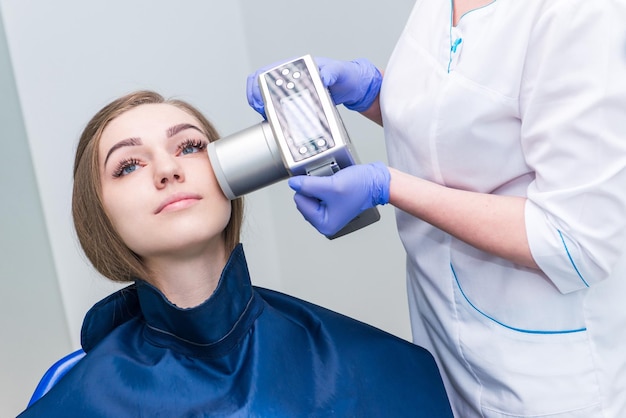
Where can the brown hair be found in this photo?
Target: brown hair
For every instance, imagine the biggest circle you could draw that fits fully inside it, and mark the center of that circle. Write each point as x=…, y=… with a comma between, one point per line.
x=99, y=240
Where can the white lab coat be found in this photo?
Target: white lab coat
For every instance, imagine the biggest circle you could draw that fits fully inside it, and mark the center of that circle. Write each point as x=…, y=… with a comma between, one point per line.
x=530, y=102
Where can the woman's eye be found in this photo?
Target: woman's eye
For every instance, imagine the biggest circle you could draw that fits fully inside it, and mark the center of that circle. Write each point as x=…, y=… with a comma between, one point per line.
x=126, y=167
x=191, y=146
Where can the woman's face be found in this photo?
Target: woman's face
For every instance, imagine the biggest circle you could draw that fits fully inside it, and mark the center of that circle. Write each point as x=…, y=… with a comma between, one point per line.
x=158, y=187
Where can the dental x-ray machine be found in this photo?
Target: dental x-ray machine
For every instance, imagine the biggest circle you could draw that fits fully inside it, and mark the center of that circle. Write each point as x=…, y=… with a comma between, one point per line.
x=303, y=135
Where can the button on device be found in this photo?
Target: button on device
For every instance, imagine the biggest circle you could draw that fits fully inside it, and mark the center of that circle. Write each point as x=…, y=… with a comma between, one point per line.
x=303, y=150
x=285, y=71
x=290, y=85
x=321, y=143
x=296, y=74
x=279, y=82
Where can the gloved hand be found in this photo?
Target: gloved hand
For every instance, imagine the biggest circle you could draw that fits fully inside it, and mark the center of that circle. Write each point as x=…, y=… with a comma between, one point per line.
x=329, y=203
x=355, y=84
x=253, y=91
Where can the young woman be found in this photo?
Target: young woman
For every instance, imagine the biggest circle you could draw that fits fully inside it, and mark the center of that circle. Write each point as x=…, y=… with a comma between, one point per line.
x=192, y=336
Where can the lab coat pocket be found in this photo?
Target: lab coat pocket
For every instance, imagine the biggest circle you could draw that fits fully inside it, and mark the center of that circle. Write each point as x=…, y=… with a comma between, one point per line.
x=591, y=412
x=530, y=374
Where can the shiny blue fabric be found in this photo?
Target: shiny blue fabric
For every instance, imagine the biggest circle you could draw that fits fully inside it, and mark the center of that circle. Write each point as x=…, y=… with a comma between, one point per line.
x=244, y=352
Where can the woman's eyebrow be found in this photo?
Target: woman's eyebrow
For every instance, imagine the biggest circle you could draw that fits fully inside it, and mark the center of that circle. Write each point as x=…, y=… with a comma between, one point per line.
x=123, y=143
x=181, y=127
x=137, y=141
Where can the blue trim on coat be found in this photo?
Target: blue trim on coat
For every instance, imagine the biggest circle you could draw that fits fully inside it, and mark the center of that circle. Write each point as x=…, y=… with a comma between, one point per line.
x=526, y=331
x=571, y=260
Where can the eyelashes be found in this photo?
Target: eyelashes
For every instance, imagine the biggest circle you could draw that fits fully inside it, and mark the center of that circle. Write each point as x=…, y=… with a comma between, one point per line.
x=125, y=167
x=188, y=146
x=195, y=145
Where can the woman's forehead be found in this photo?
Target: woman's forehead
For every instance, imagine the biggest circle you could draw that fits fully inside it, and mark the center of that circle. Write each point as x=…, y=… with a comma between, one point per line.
x=146, y=120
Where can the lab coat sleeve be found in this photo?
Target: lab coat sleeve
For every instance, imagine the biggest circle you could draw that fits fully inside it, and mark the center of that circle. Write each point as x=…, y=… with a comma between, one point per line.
x=573, y=110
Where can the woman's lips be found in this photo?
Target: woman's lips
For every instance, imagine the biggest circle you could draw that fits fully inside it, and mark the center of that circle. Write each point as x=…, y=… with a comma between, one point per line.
x=177, y=201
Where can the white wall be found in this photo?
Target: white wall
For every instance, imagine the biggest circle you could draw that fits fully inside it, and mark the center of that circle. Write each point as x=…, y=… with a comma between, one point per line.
x=361, y=275
x=70, y=57
x=33, y=326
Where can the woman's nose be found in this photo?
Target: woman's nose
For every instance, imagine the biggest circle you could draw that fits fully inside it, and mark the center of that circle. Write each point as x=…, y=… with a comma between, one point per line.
x=167, y=170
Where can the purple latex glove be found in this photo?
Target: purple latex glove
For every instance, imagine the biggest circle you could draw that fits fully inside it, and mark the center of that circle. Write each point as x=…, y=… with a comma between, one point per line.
x=329, y=203
x=355, y=84
x=253, y=91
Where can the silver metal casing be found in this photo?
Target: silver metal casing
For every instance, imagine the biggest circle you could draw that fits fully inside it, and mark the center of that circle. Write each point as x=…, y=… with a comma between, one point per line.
x=303, y=118
x=247, y=161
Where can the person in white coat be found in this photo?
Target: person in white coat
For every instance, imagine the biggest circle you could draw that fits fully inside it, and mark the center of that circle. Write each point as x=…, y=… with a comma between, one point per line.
x=505, y=125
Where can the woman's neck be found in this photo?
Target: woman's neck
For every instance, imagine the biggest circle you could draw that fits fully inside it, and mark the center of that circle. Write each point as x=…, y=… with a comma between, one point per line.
x=463, y=6
x=187, y=281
